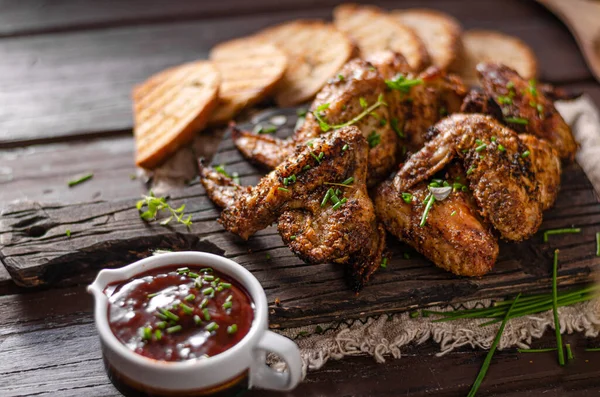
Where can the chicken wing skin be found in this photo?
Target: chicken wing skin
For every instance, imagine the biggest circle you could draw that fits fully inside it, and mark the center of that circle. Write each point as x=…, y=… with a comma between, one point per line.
x=526, y=107
x=415, y=108
x=317, y=229
x=454, y=237
x=546, y=166
x=501, y=177
x=357, y=87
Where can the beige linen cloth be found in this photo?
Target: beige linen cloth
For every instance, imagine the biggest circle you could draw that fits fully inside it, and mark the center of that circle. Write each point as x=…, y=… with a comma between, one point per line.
x=385, y=335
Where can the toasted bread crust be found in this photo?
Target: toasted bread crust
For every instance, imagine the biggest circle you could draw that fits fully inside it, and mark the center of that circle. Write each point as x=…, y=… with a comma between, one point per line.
x=440, y=32
x=374, y=30
x=496, y=47
x=170, y=106
x=316, y=51
x=250, y=70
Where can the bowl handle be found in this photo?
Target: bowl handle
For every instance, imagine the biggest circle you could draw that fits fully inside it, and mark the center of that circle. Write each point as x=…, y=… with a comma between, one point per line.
x=267, y=378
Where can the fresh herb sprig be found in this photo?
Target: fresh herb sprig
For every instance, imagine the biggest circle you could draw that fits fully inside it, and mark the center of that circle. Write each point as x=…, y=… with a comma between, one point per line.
x=402, y=83
x=325, y=126
x=81, y=179
x=154, y=205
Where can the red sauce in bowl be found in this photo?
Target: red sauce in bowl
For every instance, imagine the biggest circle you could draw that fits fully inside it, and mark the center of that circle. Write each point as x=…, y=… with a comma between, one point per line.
x=179, y=313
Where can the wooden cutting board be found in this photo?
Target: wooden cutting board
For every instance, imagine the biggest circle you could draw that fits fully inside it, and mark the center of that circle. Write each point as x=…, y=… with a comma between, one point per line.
x=36, y=250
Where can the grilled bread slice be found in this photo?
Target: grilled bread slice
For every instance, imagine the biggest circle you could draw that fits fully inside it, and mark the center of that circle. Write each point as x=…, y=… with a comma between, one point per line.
x=316, y=51
x=250, y=70
x=170, y=106
x=438, y=31
x=496, y=47
x=373, y=30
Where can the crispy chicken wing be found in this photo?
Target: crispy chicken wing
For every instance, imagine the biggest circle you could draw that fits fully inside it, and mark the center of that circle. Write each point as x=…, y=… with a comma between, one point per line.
x=454, y=237
x=319, y=198
x=416, y=102
x=525, y=107
x=545, y=164
x=347, y=96
x=501, y=174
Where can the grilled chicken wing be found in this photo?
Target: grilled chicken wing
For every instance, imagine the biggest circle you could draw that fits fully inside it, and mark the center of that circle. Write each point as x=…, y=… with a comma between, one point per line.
x=525, y=107
x=454, y=237
x=501, y=174
x=418, y=101
x=545, y=164
x=340, y=229
x=347, y=96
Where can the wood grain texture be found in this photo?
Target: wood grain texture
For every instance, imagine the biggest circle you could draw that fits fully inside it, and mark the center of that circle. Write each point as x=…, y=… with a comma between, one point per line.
x=36, y=250
x=59, y=355
x=79, y=84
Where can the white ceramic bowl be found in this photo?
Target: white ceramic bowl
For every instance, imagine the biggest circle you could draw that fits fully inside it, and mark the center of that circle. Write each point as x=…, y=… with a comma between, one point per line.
x=216, y=373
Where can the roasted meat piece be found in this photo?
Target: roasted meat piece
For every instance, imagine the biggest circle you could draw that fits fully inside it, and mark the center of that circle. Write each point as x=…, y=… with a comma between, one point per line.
x=416, y=101
x=502, y=173
x=453, y=235
x=526, y=107
x=354, y=96
x=319, y=198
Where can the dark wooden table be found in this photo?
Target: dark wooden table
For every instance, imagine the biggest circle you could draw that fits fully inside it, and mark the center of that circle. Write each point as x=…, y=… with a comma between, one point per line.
x=66, y=71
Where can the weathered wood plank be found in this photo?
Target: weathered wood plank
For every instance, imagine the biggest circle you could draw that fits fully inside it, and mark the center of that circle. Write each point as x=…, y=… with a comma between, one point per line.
x=36, y=251
x=79, y=83
x=60, y=355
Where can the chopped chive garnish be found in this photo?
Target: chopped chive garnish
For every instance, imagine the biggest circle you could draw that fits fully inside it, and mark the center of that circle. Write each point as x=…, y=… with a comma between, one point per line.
x=147, y=333
x=516, y=120
x=301, y=112
x=292, y=238
x=406, y=255
x=382, y=122
x=206, y=270
x=525, y=154
x=283, y=189
x=168, y=314
x=598, y=244
x=570, y=355
x=206, y=314
x=204, y=303
x=221, y=170
x=470, y=170
x=407, y=197
x=161, y=316
x=209, y=277
x=345, y=147
x=384, y=263
x=153, y=295
x=68, y=232
x=480, y=147
x=189, y=298
x=315, y=156
x=227, y=305
x=396, y=128
x=193, y=275
x=81, y=179
x=593, y=349
x=229, y=298
x=414, y=314
x=212, y=327
x=348, y=181
x=158, y=334
x=267, y=130
x=186, y=309
x=501, y=148
x=306, y=167
x=197, y=319
x=363, y=102
x=373, y=139
x=208, y=291
x=225, y=285
x=504, y=100
x=161, y=324
x=174, y=329
x=427, y=209
x=337, y=205
x=326, y=198
x=340, y=77
x=510, y=85
x=488, y=358
x=561, y=353
x=183, y=270
x=320, y=156
x=560, y=231
x=232, y=329
x=219, y=288
x=550, y=349
x=453, y=213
